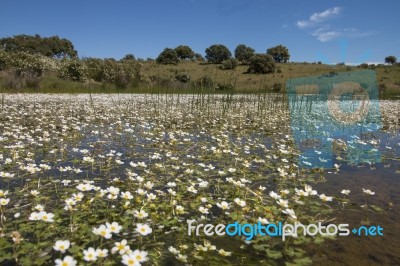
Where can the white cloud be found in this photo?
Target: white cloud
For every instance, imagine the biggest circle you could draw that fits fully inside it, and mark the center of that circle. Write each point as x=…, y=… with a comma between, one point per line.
x=324, y=32
x=327, y=14
x=319, y=17
x=302, y=24
x=325, y=35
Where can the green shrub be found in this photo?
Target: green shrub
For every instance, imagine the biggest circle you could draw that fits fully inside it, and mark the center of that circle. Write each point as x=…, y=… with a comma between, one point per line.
x=73, y=69
x=4, y=60
x=225, y=86
x=25, y=64
x=205, y=82
x=183, y=77
x=229, y=64
x=261, y=63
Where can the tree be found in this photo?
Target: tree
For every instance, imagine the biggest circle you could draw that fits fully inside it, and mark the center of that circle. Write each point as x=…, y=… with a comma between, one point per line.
x=168, y=56
x=217, y=53
x=184, y=52
x=391, y=60
x=128, y=57
x=261, y=63
x=244, y=53
x=47, y=46
x=280, y=53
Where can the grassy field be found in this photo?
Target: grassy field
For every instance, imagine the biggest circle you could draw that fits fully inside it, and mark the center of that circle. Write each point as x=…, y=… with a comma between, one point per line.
x=162, y=79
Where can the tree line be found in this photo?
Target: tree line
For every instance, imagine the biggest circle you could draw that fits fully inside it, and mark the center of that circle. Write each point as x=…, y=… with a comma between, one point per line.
x=220, y=54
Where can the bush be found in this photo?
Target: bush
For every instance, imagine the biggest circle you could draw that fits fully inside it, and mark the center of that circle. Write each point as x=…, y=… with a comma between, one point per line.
x=229, y=64
x=183, y=77
x=277, y=87
x=73, y=69
x=261, y=63
x=25, y=64
x=205, y=82
x=225, y=86
x=168, y=56
x=4, y=60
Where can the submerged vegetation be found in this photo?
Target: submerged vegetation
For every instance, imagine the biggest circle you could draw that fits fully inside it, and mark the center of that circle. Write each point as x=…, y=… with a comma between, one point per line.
x=111, y=179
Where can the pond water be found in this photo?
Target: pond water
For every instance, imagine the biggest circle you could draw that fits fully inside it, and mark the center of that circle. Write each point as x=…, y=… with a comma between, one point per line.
x=182, y=157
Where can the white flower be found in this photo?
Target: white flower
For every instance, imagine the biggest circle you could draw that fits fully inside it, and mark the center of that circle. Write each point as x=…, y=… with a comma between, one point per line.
x=345, y=192
x=4, y=201
x=224, y=253
x=61, y=245
x=151, y=196
x=283, y=203
x=143, y=229
x=88, y=159
x=102, y=253
x=240, y=202
x=309, y=189
x=263, y=220
x=291, y=213
x=171, y=184
x=114, y=227
x=35, y=193
x=325, y=198
x=126, y=195
x=224, y=205
x=121, y=247
x=3, y=193
x=192, y=189
x=90, y=254
x=84, y=187
x=274, y=195
x=130, y=260
x=46, y=216
x=140, y=214
x=67, y=261
x=39, y=207
x=369, y=192
x=139, y=255
x=284, y=191
x=173, y=250
x=179, y=209
x=34, y=216
x=203, y=210
x=103, y=231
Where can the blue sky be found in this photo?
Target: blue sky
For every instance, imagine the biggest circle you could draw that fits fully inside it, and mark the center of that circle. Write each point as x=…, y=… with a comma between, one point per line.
x=313, y=30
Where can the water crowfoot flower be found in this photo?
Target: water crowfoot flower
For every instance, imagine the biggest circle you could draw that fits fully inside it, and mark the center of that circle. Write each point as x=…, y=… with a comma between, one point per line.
x=67, y=261
x=90, y=254
x=114, y=227
x=102, y=253
x=325, y=198
x=369, y=192
x=4, y=201
x=345, y=192
x=143, y=229
x=121, y=247
x=61, y=245
x=103, y=231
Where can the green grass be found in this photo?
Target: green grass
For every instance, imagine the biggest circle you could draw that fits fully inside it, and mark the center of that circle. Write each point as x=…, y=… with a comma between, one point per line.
x=388, y=78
